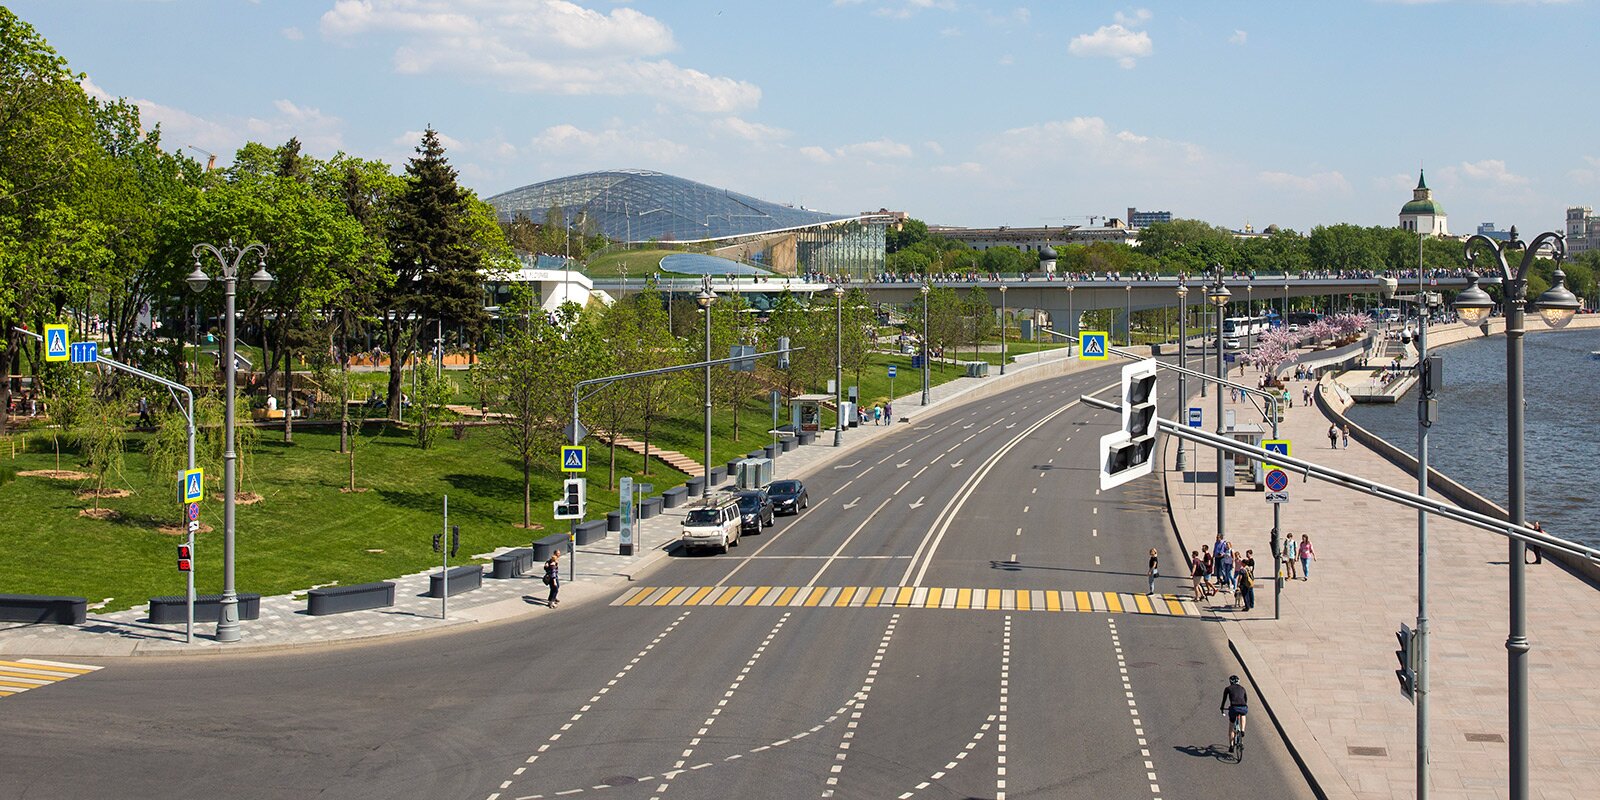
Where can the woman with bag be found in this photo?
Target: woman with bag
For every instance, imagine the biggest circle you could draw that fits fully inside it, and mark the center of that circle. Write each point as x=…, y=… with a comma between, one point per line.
x=552, y=578
x=1154, y=571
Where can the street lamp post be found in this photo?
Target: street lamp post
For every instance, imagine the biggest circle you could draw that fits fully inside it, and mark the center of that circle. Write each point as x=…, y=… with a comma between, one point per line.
x=1183, y=361
x=1218, y=294
x=1556, y=306
x=229, y=258
x=838, y=364
x=706, y=298
x=1127, y=320
x=1072, y=321
x=1002, y=329
x=924, y=291
x=1249, y=313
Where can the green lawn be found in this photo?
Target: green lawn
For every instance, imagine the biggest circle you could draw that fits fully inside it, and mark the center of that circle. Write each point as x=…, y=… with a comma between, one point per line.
x=304, y=532
x=638, y=262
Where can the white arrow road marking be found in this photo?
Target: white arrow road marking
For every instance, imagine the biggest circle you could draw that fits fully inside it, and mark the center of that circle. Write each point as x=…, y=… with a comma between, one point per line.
x=902, y=465
x=850, y=465
x=958, y=463
x=846, y=543
x=919, y=503
x=852, y=503
x=968, y=425
x=1012, y=425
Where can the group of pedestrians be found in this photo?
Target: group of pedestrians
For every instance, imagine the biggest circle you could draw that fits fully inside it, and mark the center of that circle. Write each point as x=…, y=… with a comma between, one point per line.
x=1335, y=433
x=1219, y=567
x=879, y=414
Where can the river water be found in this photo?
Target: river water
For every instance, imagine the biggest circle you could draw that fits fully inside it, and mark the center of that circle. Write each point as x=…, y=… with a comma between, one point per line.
x=1469, y=442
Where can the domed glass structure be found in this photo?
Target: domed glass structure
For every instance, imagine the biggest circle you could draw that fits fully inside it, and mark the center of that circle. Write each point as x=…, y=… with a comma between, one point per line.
x=635, y=205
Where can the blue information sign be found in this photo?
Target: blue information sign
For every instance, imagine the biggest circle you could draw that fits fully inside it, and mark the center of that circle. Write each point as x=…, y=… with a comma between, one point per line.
x=891, y=370
x=85, y=352
x=1194, y=417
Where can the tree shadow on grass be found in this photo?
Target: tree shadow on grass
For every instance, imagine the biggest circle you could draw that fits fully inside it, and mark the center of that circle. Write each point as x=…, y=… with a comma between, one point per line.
x=499, y=488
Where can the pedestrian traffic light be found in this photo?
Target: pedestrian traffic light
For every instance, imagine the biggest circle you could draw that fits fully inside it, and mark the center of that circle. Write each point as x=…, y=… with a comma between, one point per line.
x=1407, y=655
x=1130, y=452
x=438, y=543
x=185, y=558
x=455, y=539
x=571, y=504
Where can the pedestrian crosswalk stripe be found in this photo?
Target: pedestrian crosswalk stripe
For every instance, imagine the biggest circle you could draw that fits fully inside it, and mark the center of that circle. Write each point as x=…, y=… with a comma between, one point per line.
x=25, y=674
x=939, y=597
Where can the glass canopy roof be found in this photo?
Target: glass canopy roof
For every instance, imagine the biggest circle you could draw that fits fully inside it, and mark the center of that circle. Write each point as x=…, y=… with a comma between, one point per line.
x=632, y=205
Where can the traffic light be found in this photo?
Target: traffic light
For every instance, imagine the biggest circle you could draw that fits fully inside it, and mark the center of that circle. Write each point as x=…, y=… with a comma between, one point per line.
x=1407, y=655
x=783, y=357
x=185, y=558
x=438, y=543
x=455, y=539
x=570, y=506
x=1130, y=452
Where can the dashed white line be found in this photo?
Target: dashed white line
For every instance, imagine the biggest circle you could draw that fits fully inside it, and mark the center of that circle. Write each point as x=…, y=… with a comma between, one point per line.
x=846, y=484
x=859, y=706
x=1133, y=710
x=1000, y=718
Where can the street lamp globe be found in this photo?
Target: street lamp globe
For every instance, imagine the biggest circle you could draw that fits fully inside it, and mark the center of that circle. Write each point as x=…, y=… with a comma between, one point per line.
x=197, y=280
x=1183, y=291
x=706, y=297
x=262, y=280
x=1557, y=304
x=1473, y=304
x=1218, y=293
x=838, y=291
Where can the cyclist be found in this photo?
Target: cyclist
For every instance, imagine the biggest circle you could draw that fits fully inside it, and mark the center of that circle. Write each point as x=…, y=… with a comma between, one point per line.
x=1236, y=705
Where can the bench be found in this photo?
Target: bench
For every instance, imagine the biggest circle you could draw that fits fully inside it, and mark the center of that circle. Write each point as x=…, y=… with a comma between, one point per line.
x=674, y=497
x=807, y=437
x=207, y=608
x=696, y=486
x=40, y=608
x=718, y=475
x=514, y=563
x=462, y=579
x=592, y=531
x=543, y=548
x=789, y=443
x=613, y=522
x=649, y=507
x=358, y=597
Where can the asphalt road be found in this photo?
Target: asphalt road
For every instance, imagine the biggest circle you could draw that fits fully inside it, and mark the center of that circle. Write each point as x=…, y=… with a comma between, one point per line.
x=693, y=701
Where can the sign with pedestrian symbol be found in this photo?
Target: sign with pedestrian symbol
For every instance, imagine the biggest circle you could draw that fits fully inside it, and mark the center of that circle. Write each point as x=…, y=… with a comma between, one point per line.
x=56, y=343
x=1094, y=345
x=1279, y=446
x=574, y=458
x=193, y=485
x=1277, y=482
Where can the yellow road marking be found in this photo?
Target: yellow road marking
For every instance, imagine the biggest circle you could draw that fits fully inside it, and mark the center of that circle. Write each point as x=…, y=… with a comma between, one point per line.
x=874, y=596
x=904, y=597
x=727, y=594
x=844, y=597
x=788, y=594
x=755, y=597
x=815, y=596
x=1174, y=606
x=21, y=684
x=15, y=673
x=993, y=600
x=1113, y=602
x=1083, y=601
x=1143, y=603
x=6, y=694
x=671, y=593
x=1052, y=600
x=694, y=599
x=1023, y=600
x=963, y=598
x=935, y=597
x=51, y=667
x=632, y=596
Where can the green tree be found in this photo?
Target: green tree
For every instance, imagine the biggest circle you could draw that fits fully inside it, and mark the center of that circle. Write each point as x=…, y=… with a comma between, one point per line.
x=434, y=392
x=979, y=318
x=1343, y=247
x=100, y=428
x=911, y=232
x=652, y=397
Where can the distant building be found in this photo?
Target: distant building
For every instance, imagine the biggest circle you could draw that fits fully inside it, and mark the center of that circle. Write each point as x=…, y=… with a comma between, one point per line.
x=895, y=219
x=1583, y=230
x=1144, y=219
x=1032, y=240
x=1487, y=229
x=1422, y=213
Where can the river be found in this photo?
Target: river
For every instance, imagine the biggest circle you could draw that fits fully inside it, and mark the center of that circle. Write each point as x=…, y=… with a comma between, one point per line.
x=1469, y=442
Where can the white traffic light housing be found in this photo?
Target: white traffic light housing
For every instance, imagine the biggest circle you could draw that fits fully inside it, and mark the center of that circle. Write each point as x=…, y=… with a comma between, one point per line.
x=1130, y=452
x=571, y=504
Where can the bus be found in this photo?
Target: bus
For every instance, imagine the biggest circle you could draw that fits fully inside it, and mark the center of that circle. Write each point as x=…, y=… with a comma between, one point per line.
x=1236, y=329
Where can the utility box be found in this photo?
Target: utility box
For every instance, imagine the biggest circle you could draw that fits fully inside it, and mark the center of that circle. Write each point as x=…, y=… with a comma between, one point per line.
x=977, y=369
x=1246, y=470
x=848, y=413
x=755, y=473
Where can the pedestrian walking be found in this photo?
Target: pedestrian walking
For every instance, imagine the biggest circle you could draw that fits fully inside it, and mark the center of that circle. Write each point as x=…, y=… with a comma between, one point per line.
x=1197, y=575
x=1345, y=431
x=1288, y=554
x=552, y=578
x=1307, y=555
x=144, y=412
x=1209, y=563
x=1247, y=580
x=1154, y=570
x=1226, y=568
x=1536, y=550
x=877, y=415
x=888, y=413
x=1333, y=436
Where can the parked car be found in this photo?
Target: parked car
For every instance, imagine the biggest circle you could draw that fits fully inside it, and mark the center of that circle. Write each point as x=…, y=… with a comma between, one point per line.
x=788, y=497
x=755, y=510
x=712, y=523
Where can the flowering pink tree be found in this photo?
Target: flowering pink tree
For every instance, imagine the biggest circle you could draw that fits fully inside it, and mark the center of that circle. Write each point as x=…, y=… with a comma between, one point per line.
x=1348, y=325
x=1320, y=331
x=1268, y=357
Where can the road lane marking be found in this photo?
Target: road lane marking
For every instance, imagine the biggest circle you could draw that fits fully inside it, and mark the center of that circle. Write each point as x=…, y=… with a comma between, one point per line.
x=908, y=596
x=902, y=487
x=930, y=542
x=960, y=756
x=846, y=542
x=859, y=708
x=846, y=485
x=1001, y=716
x=1133, y=710
x=864, y=472
x=26, y=674
x=770, y=539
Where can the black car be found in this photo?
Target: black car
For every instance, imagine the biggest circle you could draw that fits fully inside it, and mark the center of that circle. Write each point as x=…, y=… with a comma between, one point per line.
x=755, y=510
x=788, y=497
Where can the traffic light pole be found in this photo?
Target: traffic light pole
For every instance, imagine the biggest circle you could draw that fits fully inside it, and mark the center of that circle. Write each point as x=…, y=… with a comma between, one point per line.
x=444, y=549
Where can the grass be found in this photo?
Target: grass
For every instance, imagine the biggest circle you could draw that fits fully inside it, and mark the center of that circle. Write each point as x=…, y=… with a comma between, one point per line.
x=638, y=262
x=304, y=532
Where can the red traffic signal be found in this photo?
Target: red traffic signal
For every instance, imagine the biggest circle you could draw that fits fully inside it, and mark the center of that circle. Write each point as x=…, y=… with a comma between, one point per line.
x=185, y=558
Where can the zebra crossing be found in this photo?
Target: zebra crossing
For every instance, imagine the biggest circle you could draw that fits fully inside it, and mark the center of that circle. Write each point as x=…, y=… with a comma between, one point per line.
x=935, y=597
x=27, y=674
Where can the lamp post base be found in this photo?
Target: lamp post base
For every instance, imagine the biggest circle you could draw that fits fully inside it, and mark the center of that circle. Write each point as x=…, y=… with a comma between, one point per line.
x=228, y=618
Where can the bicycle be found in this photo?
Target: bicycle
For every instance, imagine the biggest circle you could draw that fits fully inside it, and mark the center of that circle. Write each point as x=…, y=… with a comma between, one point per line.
x=1236, y=739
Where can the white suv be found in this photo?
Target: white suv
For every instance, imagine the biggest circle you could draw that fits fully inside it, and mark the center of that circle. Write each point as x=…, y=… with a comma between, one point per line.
x=712, y=523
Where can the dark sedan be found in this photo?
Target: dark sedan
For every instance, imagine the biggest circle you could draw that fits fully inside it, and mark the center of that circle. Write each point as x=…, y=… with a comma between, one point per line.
x=755, y=511
x=788, y=497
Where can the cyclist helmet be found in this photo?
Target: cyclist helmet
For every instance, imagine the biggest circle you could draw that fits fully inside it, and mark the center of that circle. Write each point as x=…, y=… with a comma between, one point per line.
x=1233, y=679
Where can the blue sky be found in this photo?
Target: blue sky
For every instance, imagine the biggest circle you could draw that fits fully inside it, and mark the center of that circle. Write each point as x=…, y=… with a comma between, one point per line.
x=965, y=113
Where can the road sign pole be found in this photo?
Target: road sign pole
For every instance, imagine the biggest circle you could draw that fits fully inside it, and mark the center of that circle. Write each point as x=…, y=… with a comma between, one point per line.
x=188, y=637
x=444, y=550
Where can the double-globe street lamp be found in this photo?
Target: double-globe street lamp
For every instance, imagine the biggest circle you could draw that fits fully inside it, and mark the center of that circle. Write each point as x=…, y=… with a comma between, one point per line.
x=1556, y=305
x=924, y=290
x=1218, y=295
x=1002, y=329
x=1183, y=360
x=229, y=258
x=706, y=298
x=838, y=364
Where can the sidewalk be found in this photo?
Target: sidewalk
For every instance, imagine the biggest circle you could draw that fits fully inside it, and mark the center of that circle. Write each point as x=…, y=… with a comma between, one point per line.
x=284, y=622
x=1327, y=668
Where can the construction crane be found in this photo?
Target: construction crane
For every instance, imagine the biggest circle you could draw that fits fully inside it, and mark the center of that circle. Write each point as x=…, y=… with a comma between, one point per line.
x=211, y=158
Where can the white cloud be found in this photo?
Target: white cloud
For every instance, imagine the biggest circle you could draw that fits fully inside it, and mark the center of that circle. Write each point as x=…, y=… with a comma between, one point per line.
x=1317, y=183
x=1090, y=140
x=749, y=131
x=909, y=8
x=870, y=152
x=292, y=34
x=1137, y=17
x=817, y=154
x=1115, y=41
x=1489, y=170
x=319, y=133
x=1589, y=173
x=933, y=147
x=606, y=148
x=1239, y=37
x=546, y=46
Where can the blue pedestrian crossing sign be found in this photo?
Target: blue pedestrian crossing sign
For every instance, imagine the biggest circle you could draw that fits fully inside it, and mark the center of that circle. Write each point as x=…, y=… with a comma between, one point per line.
x=1094, y=346
x=1279, y=446
x=56, y=343
x=574, y=458
x=891, y=370
x=85, y=352
x=193, y=483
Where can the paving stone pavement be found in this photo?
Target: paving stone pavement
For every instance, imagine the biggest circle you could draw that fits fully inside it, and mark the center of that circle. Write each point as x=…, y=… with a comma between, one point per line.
x=600, y=571
x=1330, y=661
